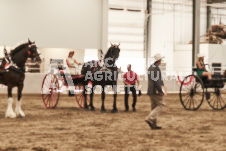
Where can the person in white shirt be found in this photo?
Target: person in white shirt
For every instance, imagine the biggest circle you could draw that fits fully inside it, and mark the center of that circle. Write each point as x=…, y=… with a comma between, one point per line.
x=71, y=63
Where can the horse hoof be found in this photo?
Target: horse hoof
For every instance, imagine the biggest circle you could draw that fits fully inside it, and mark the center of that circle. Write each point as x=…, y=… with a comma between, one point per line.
x=10, y=115
x=92, y=108
x=86, y=108
x=114, y=111
x=103, y=111
x=19, y=113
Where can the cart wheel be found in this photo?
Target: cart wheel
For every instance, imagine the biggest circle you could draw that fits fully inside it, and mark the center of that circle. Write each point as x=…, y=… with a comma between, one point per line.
x=192, y=94
x=50, y=91
x=79, y=96
x=217, y=99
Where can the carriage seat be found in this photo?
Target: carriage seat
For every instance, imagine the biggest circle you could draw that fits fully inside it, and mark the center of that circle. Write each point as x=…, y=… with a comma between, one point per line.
x=204, y=79
x=72, y=76
x=216, y=82
x=194, y=69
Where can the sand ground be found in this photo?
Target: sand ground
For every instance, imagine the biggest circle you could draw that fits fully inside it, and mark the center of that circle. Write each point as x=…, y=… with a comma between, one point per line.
x=70, y=128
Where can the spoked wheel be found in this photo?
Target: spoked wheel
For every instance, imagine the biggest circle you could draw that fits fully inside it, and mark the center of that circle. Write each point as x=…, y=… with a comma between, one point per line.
x=217, y=99
x=50, y=91
x=192, y=93
x=79, y=95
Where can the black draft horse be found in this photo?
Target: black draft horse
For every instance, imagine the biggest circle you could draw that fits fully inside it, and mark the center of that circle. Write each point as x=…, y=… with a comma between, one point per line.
x=102, y=75
x=14, y=75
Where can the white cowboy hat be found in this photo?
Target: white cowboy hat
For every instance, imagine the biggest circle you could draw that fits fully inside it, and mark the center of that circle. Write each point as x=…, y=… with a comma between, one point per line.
x=200, y=55
x=158, y=57
x=128, y=65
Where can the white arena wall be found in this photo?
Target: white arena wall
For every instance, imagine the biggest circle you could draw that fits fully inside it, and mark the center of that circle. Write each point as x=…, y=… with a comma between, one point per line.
x=53, y=23
x=214, y=53
x=171, y=25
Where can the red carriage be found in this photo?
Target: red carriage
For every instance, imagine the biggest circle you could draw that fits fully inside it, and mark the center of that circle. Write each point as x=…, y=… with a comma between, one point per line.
x=54, y=84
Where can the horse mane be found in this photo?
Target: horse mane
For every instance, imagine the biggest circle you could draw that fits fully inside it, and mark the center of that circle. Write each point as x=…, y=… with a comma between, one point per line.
x=18, y=48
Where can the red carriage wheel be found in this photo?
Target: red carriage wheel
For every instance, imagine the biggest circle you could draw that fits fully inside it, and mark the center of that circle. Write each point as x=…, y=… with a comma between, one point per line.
x=79, y=95
x=50, y=91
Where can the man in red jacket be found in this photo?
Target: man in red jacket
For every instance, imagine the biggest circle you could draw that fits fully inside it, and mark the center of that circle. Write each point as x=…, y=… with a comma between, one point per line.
x=130, y=78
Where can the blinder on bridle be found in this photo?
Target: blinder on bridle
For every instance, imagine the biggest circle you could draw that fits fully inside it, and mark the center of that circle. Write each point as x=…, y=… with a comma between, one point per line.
x=33, y=52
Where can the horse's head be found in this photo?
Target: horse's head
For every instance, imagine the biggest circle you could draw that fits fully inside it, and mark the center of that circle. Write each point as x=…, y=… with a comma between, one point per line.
x=113, y=52
x=33, y=52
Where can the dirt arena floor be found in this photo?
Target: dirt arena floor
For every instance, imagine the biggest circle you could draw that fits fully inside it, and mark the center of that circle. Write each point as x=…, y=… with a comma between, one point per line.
x=69, y=128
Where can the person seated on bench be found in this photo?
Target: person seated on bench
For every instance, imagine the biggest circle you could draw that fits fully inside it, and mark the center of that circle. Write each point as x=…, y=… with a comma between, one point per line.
x=201, y=70
x=71, y=63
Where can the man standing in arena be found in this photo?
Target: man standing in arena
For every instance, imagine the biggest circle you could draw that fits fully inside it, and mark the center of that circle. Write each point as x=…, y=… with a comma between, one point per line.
x=155, y=92
x=130, y=78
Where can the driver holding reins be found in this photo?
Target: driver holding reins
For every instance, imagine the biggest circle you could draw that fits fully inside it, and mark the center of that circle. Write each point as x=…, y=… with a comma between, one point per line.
x=71, y=63
x=201, y=70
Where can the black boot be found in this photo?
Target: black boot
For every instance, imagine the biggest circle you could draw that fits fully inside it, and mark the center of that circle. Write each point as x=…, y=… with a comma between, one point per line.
x=155, y=125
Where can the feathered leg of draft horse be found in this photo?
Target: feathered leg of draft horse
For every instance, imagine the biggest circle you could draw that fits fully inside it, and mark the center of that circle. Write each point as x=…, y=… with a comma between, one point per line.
x=9, y=111
x=18, y=109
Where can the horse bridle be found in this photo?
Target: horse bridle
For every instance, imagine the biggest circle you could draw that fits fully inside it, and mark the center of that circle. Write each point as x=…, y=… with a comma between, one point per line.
x=28, y=51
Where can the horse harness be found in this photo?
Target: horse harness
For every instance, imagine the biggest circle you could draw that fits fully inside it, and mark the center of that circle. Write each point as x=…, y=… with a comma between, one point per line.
x=10, y=65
